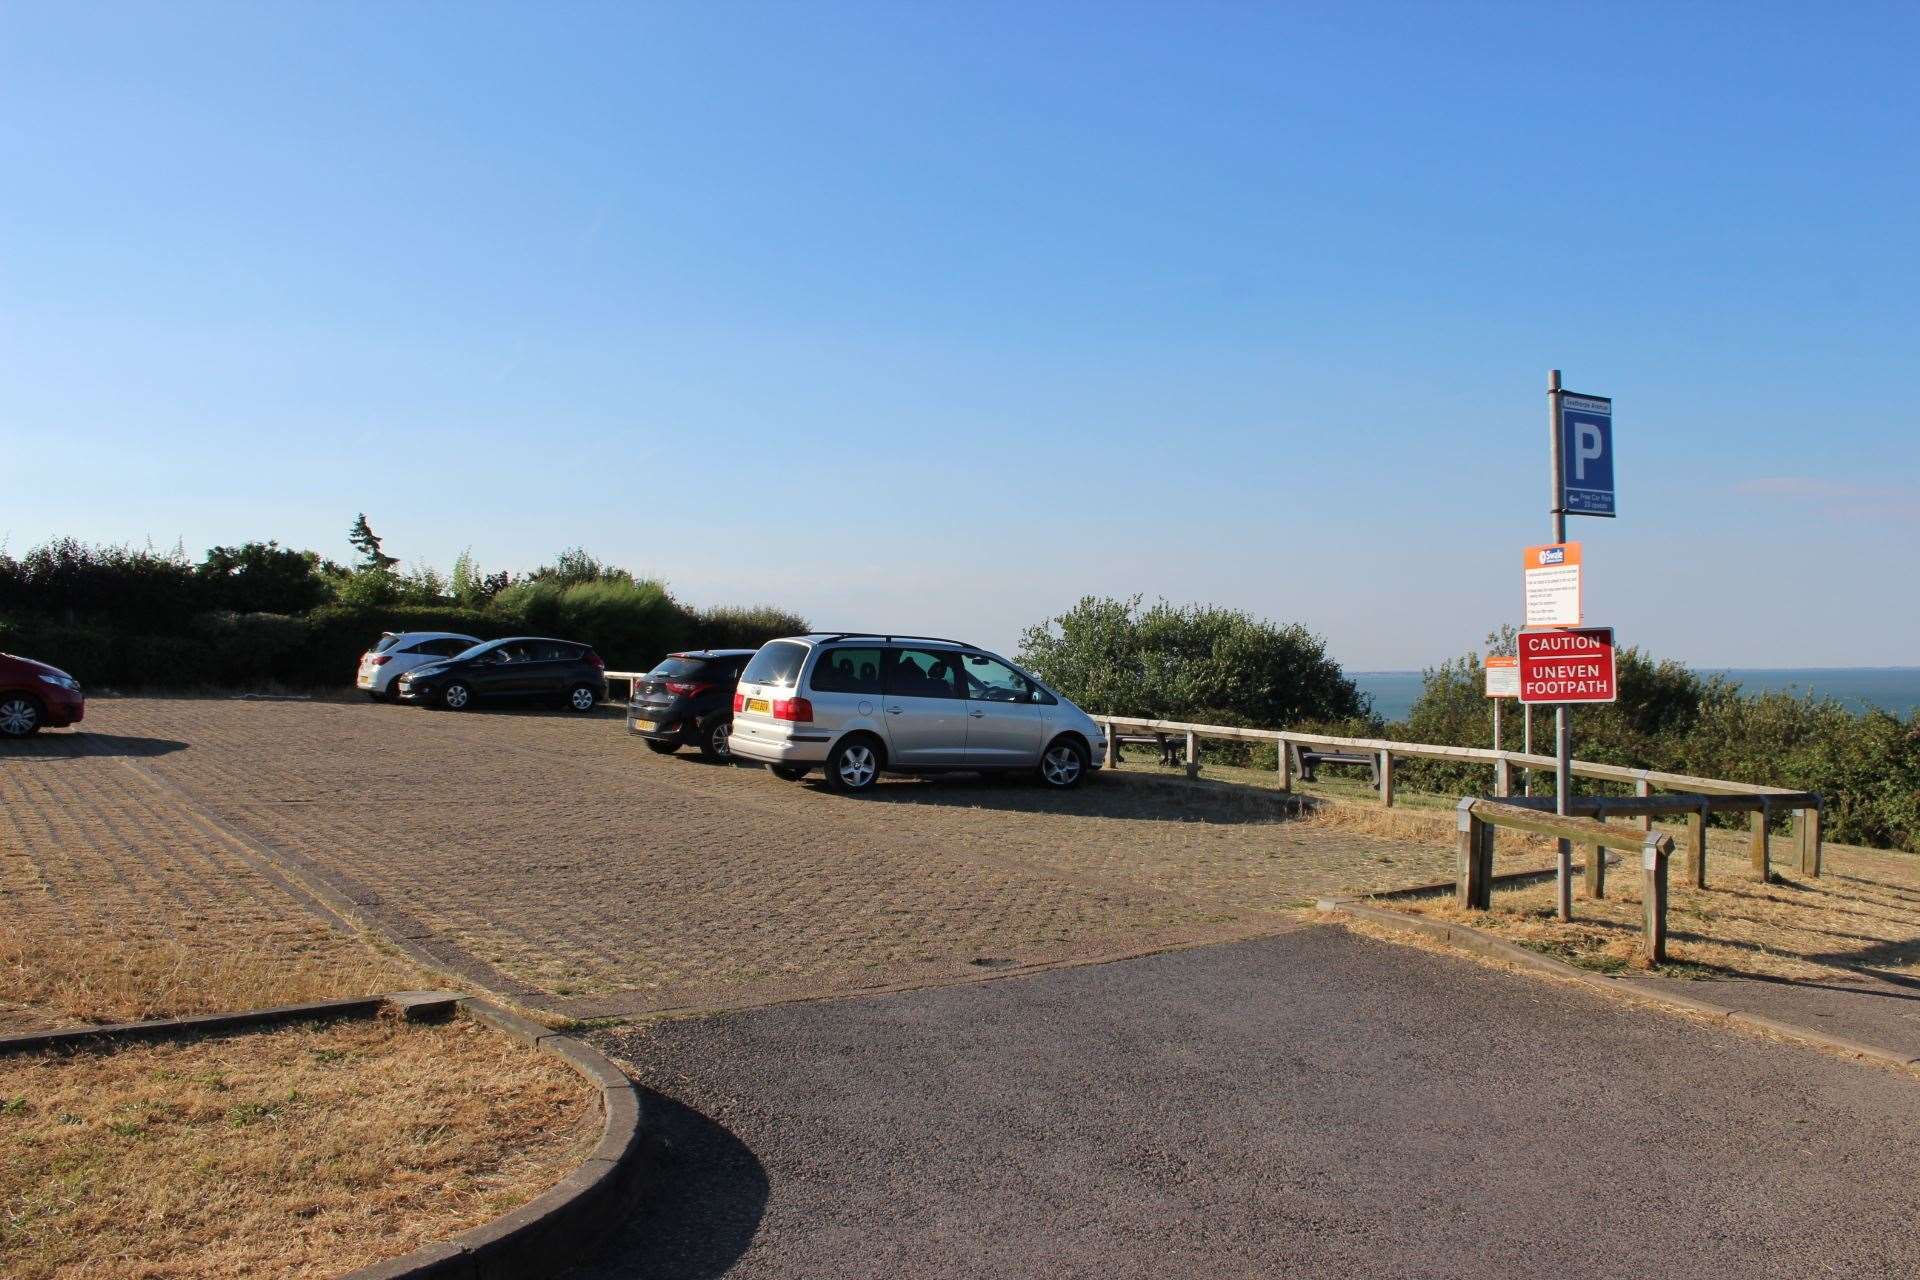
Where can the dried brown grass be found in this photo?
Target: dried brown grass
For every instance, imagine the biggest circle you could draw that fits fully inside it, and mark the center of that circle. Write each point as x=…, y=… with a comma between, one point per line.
x=1863, y=913
x=302, y=1152
x=54, y=979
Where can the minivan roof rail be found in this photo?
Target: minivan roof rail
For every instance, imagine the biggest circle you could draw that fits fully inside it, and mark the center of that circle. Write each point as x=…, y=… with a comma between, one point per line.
x=876, y=635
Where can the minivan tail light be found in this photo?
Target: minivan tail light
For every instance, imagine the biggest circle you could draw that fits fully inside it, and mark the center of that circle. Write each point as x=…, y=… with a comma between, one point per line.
x=799, y=710
x=689, y=688
x=739, y=702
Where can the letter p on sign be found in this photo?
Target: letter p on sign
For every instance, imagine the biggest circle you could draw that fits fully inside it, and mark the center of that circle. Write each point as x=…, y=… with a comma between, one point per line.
x=1586, y=447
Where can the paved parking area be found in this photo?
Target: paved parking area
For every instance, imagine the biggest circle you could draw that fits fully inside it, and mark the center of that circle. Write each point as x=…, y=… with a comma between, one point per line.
x=1309, y=1104
x=552, y=858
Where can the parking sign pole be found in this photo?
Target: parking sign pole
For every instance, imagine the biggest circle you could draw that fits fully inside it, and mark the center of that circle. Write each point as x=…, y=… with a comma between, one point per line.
x=1562, y=729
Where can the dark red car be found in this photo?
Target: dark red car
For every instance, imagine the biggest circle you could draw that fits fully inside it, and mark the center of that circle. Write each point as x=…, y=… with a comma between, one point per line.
x=33, y=694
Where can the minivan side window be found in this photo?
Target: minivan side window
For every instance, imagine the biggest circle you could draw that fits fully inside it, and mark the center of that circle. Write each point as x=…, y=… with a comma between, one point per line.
x=991, y=680
x=846, y=671
x=923, y=673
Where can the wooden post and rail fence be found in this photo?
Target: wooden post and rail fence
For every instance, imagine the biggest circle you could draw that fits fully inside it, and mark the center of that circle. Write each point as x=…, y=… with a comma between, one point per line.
x=1583, y=825
x=1697, y=798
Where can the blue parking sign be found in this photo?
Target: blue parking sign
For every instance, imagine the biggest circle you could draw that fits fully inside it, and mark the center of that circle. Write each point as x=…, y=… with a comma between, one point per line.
x=1586, y=455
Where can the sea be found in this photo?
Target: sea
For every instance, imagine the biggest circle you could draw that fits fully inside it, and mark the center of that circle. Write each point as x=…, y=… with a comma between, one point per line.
x=1894, y=689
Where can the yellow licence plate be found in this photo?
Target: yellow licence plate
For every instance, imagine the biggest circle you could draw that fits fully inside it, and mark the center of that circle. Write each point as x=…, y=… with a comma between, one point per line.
x=758, y=704
x=646, y=726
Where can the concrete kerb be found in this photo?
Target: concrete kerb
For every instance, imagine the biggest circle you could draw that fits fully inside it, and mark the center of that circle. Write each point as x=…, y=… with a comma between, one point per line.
x=1468, y=938
x=547, y=1235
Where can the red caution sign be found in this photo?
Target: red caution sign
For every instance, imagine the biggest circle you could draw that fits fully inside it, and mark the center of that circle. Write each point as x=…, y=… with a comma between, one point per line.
x=1567, y=664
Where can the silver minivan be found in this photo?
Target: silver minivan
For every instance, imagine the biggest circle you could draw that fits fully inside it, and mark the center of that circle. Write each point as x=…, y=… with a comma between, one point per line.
x=860, y=705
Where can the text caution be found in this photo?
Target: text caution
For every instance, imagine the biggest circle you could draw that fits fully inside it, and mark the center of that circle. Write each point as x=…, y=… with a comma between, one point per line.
x=1567, y=664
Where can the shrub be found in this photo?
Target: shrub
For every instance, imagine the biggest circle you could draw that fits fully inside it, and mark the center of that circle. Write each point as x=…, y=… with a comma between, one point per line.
x=743, y=628
x=1170, y=662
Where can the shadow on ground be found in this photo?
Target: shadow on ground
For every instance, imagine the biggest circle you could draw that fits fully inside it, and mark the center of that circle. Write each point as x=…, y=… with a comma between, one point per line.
x=1126, y=799
x=68, y=746
x=695, y=1208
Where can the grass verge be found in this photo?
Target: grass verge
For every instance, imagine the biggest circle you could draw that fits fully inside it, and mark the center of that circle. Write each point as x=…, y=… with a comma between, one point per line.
x=301, y=1152
x=1862, y=914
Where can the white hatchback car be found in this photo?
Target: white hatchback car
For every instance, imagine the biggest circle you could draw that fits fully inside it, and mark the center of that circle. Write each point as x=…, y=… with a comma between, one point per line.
x=399, y=652
x=861, y=705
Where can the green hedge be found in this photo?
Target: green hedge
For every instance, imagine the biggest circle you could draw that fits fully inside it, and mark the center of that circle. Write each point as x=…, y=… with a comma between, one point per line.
x=320, y=649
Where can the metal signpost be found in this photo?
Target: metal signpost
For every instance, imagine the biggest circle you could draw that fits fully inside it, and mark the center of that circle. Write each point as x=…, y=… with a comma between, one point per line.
x=1503, y=682
x=1580, y=438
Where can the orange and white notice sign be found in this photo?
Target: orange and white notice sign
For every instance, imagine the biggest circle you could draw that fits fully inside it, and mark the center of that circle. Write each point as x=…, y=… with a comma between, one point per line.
x=1503, y=677
x=1553, y=585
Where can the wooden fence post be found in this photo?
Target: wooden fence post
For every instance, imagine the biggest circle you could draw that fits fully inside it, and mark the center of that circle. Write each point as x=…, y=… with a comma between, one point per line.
x=1502, y=778
x=1193, y=755
x=1810, y=837
x=1113, y=746
x=1697, y=846
x=1641, y=788
x=1757, y=844
x=1284, y=763
x=1386, y=779
x=1472, y=887
x=1653, y=862
x=1596, y=871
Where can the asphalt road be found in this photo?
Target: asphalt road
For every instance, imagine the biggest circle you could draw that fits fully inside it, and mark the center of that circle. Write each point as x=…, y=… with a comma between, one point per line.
x=1310, y=1103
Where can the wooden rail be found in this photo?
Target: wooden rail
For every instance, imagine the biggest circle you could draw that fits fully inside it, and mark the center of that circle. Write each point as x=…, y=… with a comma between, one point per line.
x=1763, y=802
x=1473, y=881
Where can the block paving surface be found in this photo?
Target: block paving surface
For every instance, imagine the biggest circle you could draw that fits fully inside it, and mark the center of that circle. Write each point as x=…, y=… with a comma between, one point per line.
x=551, y=858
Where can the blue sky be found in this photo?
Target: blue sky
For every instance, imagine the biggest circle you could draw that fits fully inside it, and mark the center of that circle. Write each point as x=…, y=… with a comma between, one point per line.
x=939, y=317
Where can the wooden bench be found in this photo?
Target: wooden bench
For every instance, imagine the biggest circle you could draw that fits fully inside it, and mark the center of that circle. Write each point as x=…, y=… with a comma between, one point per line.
x=1169, y=745
x=1308, y=759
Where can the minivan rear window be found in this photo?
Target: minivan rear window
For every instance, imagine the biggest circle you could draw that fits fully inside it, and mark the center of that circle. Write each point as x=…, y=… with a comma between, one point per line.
x=776, y=663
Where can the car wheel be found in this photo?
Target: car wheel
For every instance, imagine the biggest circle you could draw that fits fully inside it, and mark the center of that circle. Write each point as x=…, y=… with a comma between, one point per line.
x=457, y=696
x=791, y=772
x=853, y=765
x=393, y=691
x=583, y=698
x=659, y=747
x=713, y=742
x=1064, y=764
x=20, y=716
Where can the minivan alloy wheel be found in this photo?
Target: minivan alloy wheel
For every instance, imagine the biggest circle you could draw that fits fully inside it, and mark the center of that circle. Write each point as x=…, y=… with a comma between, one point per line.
x=1061, y=766
x=857, y=765
x=19, y=717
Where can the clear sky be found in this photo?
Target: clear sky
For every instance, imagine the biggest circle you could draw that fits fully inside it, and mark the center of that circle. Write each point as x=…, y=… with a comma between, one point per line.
x=938, y=317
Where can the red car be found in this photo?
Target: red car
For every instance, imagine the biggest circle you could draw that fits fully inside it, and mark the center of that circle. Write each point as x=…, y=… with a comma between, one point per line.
x=33, y=694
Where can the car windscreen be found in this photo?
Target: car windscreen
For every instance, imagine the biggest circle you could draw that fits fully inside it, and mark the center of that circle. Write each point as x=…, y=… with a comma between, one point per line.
x=679, y=668
x=777, y=663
